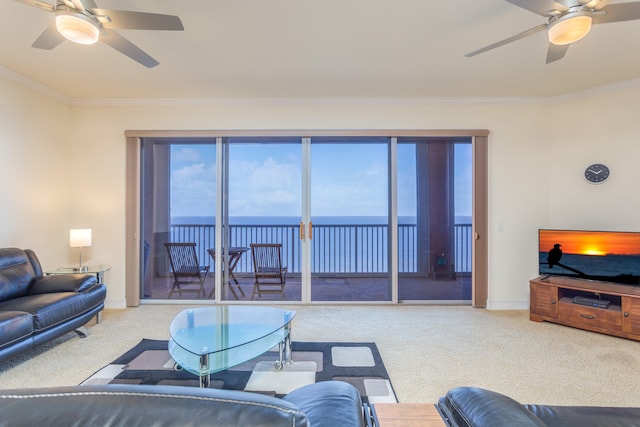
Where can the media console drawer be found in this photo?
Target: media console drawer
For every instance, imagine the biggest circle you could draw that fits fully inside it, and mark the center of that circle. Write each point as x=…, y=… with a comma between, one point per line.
x=590, y=317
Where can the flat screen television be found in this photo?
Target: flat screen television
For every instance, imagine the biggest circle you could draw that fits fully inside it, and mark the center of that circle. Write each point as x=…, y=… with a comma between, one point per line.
x=609, y=256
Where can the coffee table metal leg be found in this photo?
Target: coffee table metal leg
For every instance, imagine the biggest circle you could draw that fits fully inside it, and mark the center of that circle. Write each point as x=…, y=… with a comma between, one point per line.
x=205, y=378
x=284, y=349
x=288, y=357
x=279, y=365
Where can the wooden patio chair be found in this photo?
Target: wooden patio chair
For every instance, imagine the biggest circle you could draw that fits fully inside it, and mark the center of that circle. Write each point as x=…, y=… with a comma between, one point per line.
x=188, y=275
x=270, y=275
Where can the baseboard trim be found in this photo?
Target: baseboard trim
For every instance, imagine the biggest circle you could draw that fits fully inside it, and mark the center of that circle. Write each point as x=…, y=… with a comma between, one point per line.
x=115, y=304
x=508, y=305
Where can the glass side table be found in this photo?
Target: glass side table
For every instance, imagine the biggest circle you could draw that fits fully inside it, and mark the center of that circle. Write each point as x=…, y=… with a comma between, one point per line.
x=98, y=270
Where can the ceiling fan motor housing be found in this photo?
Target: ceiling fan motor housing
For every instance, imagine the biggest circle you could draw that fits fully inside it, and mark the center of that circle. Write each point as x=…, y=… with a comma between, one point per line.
x=570, y=26
x=77, y=26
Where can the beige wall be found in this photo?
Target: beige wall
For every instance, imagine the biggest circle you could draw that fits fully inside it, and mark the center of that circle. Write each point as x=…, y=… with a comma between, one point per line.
x=35, y=173
x=537, y=153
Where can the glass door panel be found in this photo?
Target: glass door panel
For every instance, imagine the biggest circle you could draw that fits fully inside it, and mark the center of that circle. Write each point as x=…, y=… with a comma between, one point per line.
x=349, y=219
x=178, y=205
x=434, y=188
x=264, y=205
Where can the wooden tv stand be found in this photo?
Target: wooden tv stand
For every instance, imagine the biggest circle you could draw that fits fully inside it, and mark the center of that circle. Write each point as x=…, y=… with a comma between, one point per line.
x=552, y=300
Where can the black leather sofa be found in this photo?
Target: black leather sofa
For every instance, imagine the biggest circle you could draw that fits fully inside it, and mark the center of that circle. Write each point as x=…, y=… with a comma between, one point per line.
x=476, y=407
x=323, y=404
x=36, y=308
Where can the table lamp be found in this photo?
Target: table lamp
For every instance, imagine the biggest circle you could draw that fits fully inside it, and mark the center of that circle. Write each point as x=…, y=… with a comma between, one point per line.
x=79, y=238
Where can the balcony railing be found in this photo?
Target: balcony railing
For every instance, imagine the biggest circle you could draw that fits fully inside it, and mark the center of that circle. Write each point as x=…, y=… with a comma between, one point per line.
x=342, y=249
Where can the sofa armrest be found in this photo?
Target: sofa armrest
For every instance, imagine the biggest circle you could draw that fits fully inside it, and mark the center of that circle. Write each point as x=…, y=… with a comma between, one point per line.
x=62, y=283
x=145, y=405
x=469, y=407
x=329, y=403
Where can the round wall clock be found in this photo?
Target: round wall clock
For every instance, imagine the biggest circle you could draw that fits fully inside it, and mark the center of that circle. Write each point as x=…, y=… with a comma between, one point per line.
x=596, y=173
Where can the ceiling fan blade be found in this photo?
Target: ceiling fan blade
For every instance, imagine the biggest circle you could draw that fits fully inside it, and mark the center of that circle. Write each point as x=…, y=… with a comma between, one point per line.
x=128, y=20
x=518, y=36
x=595, y=4
x=49, y=39
x=541, y=7
x=39, y=4
x=618, y=12
x=127, y=48
x=84, y=4
x=556, y=52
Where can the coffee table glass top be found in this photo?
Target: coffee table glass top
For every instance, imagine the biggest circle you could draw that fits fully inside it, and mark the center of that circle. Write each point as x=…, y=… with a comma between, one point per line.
x=205, y=340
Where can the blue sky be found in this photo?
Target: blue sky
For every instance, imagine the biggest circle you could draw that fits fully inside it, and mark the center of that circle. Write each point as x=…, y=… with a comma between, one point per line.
x=265, y=180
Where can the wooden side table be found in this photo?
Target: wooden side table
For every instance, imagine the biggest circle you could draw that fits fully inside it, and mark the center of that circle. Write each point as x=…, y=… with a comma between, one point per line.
x=407, y=415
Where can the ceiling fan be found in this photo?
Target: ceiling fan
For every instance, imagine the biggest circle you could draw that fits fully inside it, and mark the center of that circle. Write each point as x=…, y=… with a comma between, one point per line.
x=568, y=21
x=81, y=21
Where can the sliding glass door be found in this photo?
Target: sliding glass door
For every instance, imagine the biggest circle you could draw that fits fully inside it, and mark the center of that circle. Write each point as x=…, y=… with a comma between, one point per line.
x=349, y=202
x=178, y=200
x=262, y=205
x=434, y=219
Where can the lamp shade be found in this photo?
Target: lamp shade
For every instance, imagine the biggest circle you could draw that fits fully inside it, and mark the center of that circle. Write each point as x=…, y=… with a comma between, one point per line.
x=570, y=28
x=79, y=237
x=77, y=27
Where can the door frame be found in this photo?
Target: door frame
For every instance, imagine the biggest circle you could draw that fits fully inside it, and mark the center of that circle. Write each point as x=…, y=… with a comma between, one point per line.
x=480, y=194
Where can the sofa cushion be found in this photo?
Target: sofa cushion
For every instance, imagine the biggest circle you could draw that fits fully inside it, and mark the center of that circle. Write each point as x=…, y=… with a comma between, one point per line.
x=16, y=273
x=586, y=416
x=469, y=406
x=52, y=309
x=14, y=326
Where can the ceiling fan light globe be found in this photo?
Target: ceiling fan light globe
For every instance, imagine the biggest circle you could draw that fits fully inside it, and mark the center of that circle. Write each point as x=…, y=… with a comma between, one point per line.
x=77, y=28
x=569, y=29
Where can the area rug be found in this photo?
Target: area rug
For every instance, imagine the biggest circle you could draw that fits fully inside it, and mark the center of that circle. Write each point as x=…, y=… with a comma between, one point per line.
x=359, y=364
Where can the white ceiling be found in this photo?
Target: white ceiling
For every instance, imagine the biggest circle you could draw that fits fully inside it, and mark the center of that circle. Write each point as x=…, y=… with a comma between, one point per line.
x=322, y=49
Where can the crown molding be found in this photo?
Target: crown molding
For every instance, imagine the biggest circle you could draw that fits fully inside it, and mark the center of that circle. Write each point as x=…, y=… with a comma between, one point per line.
x=234, y=102
x=35, y=86
x=595, y=91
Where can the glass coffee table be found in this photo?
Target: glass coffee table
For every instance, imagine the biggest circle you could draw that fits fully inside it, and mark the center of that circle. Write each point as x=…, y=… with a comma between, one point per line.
x=206, y=340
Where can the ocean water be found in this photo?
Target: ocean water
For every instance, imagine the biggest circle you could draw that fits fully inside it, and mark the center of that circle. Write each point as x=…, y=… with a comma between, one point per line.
x=294, y=220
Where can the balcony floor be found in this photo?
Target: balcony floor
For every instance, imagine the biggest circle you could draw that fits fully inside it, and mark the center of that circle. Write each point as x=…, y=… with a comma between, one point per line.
x=338, y=288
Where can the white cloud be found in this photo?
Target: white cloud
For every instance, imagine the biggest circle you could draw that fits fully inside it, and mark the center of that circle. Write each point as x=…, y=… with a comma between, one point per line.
x=266, y=187
x=193, y=190
x=186, y=154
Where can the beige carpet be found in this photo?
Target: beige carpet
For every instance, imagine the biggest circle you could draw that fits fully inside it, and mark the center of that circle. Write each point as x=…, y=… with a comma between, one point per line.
x=426, y=349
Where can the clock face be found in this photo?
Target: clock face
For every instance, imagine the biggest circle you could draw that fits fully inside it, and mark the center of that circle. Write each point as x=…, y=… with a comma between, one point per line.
x=596, y=173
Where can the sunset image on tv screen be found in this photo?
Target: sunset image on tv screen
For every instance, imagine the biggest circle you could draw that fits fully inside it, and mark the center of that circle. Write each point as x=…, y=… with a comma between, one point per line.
x=591, y=243
x=598, y=255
